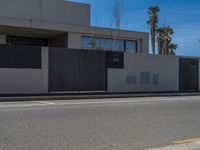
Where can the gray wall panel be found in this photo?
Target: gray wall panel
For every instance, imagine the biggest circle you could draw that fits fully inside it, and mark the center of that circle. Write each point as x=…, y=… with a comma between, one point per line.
x=25, y=80
x=166, y=67
x=15, y=56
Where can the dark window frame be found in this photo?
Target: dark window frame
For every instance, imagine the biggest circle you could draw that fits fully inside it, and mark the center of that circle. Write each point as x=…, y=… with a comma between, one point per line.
x=26, y=41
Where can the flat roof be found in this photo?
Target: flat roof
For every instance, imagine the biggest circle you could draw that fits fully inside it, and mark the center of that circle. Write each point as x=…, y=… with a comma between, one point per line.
x=9, y=22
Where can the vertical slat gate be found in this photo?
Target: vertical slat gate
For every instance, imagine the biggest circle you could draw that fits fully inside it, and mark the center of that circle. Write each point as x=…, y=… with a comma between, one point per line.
x=188, y=74
x=77, y=70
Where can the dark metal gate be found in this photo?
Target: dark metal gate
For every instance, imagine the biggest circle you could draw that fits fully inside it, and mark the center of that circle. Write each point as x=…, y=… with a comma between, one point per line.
x=77, y=70
x=188, y=74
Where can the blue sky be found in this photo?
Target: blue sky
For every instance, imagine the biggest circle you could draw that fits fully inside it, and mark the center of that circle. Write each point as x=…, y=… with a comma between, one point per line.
x=182, y=15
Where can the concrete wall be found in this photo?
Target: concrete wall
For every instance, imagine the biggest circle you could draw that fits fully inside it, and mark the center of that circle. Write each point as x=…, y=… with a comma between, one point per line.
x=74, y=40
x=164, y=66
x=25, y=81
x=56, y=11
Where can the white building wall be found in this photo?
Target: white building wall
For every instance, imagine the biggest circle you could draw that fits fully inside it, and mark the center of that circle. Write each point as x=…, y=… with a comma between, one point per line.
x=164, y=66
x=56, y=11
x=25, y=81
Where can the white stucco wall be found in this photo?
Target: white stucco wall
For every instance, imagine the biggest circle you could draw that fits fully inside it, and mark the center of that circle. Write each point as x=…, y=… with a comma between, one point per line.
x=25, y=81
x=164, y=66
x=56, y=11
x=2, y=39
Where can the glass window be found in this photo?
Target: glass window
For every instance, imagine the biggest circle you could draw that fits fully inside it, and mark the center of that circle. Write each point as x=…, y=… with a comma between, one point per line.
x=105, y=44
x=131, y=46
x=118, y=45
x=108, y=44
x=85, y=43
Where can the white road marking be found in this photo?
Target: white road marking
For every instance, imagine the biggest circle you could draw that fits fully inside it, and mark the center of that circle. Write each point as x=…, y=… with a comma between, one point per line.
x=45, y=102
x=188, y=146
x=20, y=105
x=34, y=103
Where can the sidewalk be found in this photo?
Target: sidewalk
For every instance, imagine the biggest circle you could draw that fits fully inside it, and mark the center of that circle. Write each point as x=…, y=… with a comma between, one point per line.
x=7, y=98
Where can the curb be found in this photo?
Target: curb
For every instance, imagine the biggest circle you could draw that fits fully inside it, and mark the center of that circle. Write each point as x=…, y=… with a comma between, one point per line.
x=79, y=97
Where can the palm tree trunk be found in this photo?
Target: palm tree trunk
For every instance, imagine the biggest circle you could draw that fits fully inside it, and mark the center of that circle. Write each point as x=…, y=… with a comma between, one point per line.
x=153, y=39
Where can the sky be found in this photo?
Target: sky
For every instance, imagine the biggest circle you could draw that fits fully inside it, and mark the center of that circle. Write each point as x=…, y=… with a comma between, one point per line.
x=182, y=15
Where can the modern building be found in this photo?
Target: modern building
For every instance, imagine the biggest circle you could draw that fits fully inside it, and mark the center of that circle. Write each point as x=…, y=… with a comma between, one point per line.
x=49, y=46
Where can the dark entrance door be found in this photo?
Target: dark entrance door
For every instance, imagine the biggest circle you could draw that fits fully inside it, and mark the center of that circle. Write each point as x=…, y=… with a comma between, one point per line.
x=188, y=74
x=77, y=70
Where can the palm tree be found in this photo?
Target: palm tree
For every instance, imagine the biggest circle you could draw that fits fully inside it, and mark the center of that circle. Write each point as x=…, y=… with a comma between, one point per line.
x=164, y=39
x=160, y=40
x=172, y=48
x=152, y=22
x=167, y=39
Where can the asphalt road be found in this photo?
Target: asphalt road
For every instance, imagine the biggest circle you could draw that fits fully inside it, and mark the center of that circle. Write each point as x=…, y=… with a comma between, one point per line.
x=105, y=124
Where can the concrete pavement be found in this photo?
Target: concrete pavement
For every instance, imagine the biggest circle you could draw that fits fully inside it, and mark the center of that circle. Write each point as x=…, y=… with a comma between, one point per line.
x=117, y=124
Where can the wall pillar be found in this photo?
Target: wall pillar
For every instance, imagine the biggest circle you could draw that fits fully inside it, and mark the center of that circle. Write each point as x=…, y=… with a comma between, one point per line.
x=74, y=41
x=45, y=70
x=2, y=39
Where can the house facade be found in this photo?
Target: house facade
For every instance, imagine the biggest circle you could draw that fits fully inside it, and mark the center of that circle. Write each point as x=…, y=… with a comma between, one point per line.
x=49, y=46
x=59, y=23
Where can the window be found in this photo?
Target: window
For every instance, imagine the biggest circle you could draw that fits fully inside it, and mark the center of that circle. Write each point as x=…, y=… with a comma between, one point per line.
x=104, y=43
x=108, y=44
x=118, y=45
x=96, y=43
x=131, y=46
x=144, y=77
x=13, y=40
x=85, y=43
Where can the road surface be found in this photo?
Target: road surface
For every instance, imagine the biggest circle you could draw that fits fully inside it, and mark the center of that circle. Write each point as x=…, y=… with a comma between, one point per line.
x=100, y=124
